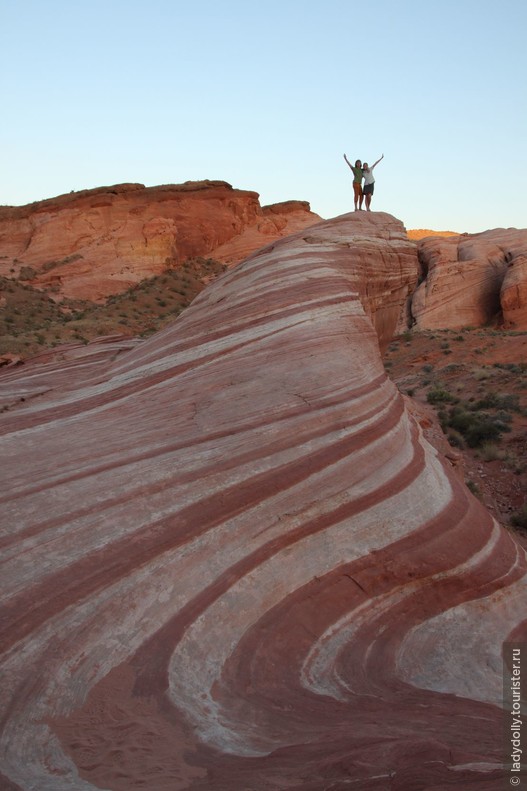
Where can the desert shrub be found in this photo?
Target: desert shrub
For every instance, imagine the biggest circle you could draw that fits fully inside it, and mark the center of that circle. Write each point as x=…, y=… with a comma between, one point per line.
x=480, y=374
x=438, y=395
x=515, y=368
x=455, y=438
x=459, y=419
x=484, y=429
x=492, y=400
x=491, y=452
x=476, y=428
x=26, y=273
x=489, y=401
x=443, y=419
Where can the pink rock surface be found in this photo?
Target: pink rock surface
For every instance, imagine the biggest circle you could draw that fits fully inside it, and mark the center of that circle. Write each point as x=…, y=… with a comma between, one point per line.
x=98, y=242
x=231, y=561
x=471, y=278
x=278, y=220
x=513, y=294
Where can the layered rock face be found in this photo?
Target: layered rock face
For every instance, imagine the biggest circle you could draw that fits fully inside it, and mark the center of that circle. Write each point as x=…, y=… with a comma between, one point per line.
x=99, y=242
x=230, y=560
x=470, y=279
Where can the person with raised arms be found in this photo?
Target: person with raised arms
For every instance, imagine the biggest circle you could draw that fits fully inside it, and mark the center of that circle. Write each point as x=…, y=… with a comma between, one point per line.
x=357, y=182
x=369, y=181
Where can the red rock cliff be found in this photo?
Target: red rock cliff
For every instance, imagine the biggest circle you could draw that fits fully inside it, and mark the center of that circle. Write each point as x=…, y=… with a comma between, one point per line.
x=98, y=242
x=473, y=279
x=231, y=561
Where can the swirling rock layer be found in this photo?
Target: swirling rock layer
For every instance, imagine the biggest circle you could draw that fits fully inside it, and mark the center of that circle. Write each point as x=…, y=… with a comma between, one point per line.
x=230, y=560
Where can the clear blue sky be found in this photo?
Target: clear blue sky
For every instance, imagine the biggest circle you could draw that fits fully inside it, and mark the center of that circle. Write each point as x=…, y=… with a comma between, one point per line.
x=268, y=96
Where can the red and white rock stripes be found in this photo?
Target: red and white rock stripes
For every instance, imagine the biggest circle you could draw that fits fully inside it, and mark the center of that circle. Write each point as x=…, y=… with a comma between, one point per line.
x=229, y=559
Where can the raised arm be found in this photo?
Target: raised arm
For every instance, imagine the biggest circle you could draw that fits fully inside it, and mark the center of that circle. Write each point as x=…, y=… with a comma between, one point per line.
x=348, y=163
x=376, y=163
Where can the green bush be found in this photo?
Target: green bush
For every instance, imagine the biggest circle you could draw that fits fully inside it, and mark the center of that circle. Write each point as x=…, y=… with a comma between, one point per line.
x=455, y=438
x=483, y=430
x=475, y=428
x=438, y=395
x=494, y=400
x=460, y=419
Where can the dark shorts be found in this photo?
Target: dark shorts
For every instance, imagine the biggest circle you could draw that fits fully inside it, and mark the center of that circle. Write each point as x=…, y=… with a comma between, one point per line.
x=368, y=189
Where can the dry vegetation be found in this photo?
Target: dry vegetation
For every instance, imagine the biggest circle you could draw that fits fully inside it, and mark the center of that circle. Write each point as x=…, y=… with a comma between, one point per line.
x=30, y=320
x=476, y=383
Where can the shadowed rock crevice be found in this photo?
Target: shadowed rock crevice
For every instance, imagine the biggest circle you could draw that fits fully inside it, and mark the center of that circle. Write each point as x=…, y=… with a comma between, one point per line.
x=472, y=280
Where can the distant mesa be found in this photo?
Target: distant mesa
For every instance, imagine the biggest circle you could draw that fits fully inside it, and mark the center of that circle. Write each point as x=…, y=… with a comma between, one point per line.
x=421, y=233
x=95, y=243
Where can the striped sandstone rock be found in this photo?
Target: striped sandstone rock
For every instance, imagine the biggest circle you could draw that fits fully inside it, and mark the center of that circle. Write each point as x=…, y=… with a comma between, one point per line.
x=231, y=561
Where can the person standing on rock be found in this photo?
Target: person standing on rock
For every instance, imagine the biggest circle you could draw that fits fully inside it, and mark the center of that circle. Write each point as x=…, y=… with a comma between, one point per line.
x=369, y=181
x=357, y=182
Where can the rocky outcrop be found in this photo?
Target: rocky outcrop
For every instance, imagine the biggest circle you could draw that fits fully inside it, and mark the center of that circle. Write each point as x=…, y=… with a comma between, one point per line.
x=513, y=294
x=95, y=243
x=471, y=280
x=422, y=233
x=231, y=561
x=277, y=220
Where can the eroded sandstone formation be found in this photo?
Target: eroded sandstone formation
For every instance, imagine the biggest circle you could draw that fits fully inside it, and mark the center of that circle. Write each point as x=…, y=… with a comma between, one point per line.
x=230, y=560
x=473, y=279
x=95, y=243
x=422, y=233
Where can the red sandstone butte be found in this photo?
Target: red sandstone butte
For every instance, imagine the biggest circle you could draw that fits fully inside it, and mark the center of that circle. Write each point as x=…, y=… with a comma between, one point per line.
x=422, y=233
x=98, y=242
x=472, y=279
x=230, y=560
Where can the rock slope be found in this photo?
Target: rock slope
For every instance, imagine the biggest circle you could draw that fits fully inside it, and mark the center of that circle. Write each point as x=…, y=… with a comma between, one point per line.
x=95, y=243
x=473, y=279
x=230, y=560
